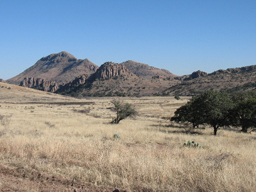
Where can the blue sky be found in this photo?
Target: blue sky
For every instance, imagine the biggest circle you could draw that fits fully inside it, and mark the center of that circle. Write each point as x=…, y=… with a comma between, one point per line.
x=181, y=36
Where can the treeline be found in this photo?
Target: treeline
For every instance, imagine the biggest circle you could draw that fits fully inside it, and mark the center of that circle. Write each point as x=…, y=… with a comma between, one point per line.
x=219, y=109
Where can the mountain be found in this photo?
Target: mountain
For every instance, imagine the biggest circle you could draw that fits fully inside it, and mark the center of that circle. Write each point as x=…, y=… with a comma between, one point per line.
x=230, y=80
x=146, y=71
x=61, y=68
x=113, y=79
x=1, y=80
x=64, y=74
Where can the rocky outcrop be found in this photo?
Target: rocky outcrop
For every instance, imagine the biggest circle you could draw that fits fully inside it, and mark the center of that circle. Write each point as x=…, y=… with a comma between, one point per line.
x=194, y=75
x=72, y=85
x=40, y=84
x=79, y=80
x=111, y=70
x=1, y=80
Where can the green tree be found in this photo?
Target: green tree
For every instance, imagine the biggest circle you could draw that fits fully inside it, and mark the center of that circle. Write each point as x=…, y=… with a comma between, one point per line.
x=123, y=110
x=211, y=107
x=244, y=114
x=239, y=96
x=187, y=113
x=214, y=108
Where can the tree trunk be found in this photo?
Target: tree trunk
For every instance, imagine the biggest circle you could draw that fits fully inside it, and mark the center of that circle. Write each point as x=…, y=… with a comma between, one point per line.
x=215, y=130
x=115, y=121
x=244, y=129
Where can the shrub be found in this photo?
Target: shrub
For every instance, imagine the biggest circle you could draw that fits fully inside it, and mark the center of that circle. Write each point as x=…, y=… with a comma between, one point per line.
x=123, y=110
x=177, y=97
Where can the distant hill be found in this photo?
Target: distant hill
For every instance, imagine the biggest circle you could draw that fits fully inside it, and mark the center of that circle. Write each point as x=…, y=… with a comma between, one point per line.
x=64, y=74
x=61, y=68
x=230, y=80
x=113, y=79
x=146, y=71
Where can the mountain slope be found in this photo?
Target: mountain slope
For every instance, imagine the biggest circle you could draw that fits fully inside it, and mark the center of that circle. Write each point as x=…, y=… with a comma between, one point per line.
x=113, y=79
x=230, y=80
x=61, y=67
x=146, y=71
x=16, y=94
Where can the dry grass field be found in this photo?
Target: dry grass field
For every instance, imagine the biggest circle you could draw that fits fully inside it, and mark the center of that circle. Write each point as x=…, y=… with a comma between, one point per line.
x=55, y=143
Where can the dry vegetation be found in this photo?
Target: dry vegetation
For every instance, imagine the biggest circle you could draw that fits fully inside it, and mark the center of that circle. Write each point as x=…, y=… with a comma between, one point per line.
x=74, y=143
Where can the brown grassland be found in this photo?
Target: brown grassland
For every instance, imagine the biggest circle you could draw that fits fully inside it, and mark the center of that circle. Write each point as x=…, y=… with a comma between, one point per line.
x=55, y=143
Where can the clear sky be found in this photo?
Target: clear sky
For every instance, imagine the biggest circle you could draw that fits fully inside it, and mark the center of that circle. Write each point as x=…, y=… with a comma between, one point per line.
x=181, y=36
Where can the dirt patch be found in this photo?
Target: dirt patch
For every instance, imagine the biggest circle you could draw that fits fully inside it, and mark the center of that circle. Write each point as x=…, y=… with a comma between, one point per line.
x=56, y=103
x=22, y=179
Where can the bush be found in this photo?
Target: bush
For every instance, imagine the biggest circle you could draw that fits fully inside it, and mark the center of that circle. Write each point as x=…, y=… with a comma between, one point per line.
x=177, y=97
x=123, y=110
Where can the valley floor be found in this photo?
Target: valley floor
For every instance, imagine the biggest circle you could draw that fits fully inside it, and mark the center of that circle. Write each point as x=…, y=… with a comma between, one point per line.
x=55, y=143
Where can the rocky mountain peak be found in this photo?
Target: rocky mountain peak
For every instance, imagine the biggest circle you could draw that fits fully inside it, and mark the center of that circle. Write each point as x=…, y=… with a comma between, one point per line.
x=62, y=57
x=59, y=67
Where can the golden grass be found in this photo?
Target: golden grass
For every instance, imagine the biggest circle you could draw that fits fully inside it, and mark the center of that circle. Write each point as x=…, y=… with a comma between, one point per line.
x=61, y=141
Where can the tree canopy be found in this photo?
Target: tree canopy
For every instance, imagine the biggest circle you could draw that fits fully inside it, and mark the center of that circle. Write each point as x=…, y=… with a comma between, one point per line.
x=244, y=114
x=211, y=107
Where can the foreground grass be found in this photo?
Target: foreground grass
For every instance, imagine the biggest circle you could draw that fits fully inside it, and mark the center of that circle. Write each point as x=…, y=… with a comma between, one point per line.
x=150, y=156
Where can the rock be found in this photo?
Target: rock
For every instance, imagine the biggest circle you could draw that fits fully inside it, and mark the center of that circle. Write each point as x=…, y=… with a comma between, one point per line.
x=110, y=70
x=40, y=84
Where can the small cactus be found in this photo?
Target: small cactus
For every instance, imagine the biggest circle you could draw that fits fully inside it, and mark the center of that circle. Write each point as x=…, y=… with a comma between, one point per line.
x=192, y=144
x=116, y=136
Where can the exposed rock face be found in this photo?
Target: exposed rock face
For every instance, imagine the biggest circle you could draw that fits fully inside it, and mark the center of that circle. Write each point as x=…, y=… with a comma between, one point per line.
x=79, y=80
x=61, y=68
x=194, y=75
x=110, y=70
x=40, y=84
x=1, y=80
x=72, y=85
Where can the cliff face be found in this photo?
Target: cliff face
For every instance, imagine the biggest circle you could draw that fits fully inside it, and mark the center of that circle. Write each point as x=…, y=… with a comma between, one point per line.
x=40, y=84
x=111, y=70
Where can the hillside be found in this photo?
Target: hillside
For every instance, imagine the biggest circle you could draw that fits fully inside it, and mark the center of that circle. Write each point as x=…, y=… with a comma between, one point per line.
x=61, y=68
x=113, y=79
x=62, y=73
x=232, y=79
x=146, y=71
x=10, y=93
